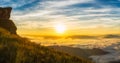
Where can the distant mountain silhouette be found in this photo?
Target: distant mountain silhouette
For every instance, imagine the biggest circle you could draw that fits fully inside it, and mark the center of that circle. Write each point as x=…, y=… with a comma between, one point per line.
x=85, y=53
x=5, y=22
x=82, y=37
x=112, y=36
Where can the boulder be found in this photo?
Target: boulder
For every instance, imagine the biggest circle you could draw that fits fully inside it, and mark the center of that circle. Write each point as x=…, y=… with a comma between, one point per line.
x=5, y=12
x=5, y=22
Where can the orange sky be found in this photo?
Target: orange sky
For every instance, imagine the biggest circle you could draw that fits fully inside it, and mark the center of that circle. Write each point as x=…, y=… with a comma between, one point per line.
x=52, y=32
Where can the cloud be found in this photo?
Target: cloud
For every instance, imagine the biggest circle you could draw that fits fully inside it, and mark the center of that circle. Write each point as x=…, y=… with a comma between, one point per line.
x=62, y=3
x=72, y=13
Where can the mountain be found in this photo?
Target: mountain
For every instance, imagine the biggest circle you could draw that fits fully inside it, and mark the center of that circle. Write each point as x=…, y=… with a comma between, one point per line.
x=5, y=21
x=85, y=53
x=15, y=49
x=112, y=36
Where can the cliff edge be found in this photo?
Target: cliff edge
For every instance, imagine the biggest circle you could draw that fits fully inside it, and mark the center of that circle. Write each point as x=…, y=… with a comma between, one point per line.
x=5, y=21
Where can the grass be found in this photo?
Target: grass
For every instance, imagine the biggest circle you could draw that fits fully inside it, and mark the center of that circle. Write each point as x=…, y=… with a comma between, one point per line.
x=15, y=49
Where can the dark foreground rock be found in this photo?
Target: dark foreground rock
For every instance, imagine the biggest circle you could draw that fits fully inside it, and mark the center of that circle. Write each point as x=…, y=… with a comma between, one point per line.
x=115, y=61
x=5, y=22
x=5, y=13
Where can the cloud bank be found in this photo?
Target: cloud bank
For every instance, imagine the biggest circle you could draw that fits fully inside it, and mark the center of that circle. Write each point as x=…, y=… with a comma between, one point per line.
x=76, y=14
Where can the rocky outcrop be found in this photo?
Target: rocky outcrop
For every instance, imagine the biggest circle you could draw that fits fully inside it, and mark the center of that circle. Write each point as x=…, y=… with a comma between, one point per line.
x=5, y=21
x=5, y=12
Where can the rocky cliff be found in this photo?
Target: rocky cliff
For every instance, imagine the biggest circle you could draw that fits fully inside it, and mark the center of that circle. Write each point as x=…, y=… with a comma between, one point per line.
x=5, y=21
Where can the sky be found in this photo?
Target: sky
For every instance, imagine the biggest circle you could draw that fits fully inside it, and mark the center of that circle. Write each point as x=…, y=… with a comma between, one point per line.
x=81, y=17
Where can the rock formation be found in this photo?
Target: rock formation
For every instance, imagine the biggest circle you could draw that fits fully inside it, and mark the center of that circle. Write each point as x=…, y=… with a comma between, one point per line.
x=5, y=21
x=5, y=12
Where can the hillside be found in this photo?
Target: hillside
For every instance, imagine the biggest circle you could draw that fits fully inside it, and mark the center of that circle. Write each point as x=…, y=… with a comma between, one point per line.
x=14, y=49
x=85, y=53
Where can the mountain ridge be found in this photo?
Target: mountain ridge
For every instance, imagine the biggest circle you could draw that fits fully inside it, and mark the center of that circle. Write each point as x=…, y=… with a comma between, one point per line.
x=15, y=49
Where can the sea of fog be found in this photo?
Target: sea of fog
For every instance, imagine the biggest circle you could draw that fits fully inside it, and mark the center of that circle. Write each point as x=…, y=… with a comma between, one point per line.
x=111, y=45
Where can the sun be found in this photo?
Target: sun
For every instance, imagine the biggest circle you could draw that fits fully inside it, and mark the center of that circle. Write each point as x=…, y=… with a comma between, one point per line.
x=60, y=28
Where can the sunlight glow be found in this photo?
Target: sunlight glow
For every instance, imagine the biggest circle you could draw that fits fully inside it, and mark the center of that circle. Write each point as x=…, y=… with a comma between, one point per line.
x=60, y=28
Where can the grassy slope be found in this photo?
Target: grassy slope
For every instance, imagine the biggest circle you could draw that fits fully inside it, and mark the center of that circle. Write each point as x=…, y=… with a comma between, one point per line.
x=84, y=53
x=14, y=49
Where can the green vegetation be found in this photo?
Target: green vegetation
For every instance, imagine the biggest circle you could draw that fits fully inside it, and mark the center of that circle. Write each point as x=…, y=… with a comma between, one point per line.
x=14, y=49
